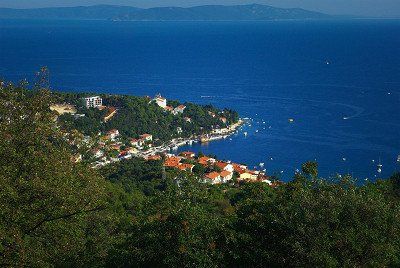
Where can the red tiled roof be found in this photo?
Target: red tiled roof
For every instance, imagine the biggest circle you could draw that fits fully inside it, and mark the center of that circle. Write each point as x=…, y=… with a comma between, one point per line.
x=221, y=165
x=154, y=157
x=225, y=173
x=185, y=166
x=213, y=175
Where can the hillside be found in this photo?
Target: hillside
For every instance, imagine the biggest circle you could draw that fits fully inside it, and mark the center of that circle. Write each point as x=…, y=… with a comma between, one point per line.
x=208, y=13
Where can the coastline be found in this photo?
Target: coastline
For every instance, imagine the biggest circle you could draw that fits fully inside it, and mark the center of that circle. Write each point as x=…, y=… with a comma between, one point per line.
x=174, y=144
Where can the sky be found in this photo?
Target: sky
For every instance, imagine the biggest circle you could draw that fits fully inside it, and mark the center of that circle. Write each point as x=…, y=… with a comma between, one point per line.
x=376, y=8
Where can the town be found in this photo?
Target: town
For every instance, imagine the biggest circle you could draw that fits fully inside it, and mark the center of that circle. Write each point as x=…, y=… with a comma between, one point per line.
x=110, y=147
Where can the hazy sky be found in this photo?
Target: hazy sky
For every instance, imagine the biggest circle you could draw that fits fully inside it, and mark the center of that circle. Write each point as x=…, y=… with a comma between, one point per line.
x=381, y=8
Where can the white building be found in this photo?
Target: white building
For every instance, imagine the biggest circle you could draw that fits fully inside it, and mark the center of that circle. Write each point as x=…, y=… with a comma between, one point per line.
x=93, y=102
x=179, y=109
x=113, y=133
x=162, y=102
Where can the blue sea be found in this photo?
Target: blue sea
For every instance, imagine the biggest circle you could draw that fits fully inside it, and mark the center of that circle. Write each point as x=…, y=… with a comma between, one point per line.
x=338, y=80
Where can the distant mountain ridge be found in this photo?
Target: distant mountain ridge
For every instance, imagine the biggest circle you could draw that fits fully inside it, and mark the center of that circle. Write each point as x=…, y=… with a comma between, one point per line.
x=253, y=12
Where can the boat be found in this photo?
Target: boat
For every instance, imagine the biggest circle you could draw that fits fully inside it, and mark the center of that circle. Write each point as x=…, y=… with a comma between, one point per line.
x=245, y=134
x=257, y=131
x=379, y=167
x=204, y=139
x=291, y=120
x=398, y=158
x=344, y=158
x=345, y=118
x=261, y=164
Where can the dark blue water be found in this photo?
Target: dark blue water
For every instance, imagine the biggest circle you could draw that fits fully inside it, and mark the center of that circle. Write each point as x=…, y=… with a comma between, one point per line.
x=269, y=71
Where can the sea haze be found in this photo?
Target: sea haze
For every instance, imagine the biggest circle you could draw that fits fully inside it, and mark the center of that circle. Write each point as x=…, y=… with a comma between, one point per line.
x=316, y=72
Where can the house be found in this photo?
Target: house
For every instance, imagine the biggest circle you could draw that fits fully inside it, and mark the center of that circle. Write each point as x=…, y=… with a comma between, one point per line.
x=97, y=153
x=172, y=161
x=146, y=137
x=187, y=119
x=205, y=160
x=93, y=102
x=136, y=142
x=113, y=133
x=223, y=119
x=226, y=176
x=213, y=178
x=115, y=146
x=153, y=157
x=132, y=150
x=179, y=109
x=249, y=176
x=211, y=113
x=179, y=130
x=239, y=168
x=111, y=112
x=186, y=167
x=162, y=102
x=265, y=179
x=169, y=108
x=225, y=166
x=187, y=154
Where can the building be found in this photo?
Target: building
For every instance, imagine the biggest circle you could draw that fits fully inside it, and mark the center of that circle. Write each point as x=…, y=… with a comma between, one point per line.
x=187, y=154
x=146, y=137
x=226, y=176
x=172, y=161
x=186, y=167
x=249, y=176
x=162, y=102
x=223, y=119
x=93, y=102
x=179, y=109
x=213, y=178
x=225, y=166
x=153, y=157
x=136, y=142
x=205, y=160
x=169, y=109
x=113, y=133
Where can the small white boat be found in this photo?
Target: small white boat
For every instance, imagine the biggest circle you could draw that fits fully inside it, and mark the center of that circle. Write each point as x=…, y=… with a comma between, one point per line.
x=344, y=158
x=345, y=118
x=245, y=134
x=257, y=131
x=261, y=164
x=379, y=167
x=291, y=120
x=398, y=158
x=272, y=158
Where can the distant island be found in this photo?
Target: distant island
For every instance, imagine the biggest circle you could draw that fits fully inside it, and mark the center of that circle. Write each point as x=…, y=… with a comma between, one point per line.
x=254, y=12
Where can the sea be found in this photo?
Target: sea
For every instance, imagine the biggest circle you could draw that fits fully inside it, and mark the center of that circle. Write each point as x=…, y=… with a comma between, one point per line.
x=338, y=80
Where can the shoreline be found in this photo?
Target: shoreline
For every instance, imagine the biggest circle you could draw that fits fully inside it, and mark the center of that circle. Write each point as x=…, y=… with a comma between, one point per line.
x=174, y=144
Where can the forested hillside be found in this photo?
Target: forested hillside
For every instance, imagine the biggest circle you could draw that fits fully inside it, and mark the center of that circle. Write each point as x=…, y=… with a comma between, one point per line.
x=54, y=212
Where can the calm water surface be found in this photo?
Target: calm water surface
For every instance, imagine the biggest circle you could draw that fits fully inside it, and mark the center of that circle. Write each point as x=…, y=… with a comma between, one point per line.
x=316, y=72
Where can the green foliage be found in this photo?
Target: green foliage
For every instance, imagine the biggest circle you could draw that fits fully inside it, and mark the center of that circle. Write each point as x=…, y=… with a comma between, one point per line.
x=137, y=115
x=57, y=213
x=50, y=208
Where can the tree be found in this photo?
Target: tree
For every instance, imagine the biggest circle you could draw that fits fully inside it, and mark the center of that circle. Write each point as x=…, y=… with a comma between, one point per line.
x=47, y=203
